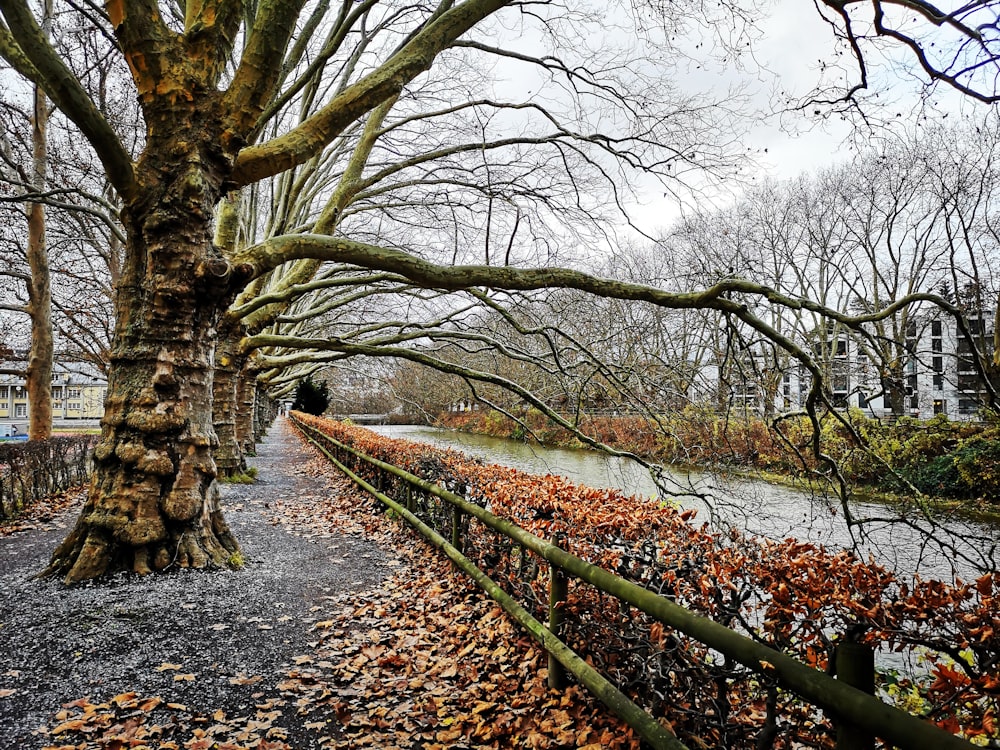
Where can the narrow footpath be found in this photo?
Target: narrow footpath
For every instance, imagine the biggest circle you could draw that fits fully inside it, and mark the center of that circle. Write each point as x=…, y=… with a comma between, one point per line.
x=341, y=631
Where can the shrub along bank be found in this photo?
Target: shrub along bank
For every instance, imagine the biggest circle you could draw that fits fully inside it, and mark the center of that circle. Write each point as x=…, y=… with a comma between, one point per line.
x=940, y=458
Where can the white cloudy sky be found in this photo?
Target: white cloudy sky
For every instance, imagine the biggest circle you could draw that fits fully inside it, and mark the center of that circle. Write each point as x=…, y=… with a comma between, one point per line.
x=794, y=40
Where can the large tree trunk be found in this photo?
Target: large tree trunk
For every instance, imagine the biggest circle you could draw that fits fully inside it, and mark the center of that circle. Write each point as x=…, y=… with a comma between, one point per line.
x=154, y=499
x=246, y=409
x=265, y=410
x=40, y=356
x=894, y=388
x=39, y=372
x=229, y=455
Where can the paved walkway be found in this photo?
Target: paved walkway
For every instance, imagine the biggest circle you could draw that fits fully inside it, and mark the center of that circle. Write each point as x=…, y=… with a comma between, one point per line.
x=324, y=640
x=212, y=640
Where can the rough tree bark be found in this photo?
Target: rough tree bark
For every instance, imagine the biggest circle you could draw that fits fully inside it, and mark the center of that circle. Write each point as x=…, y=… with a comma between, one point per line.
x=154, y=500
x=229, y=457
x=229, y=365
x=247, y=431
x=38, y=376
x=894, y=387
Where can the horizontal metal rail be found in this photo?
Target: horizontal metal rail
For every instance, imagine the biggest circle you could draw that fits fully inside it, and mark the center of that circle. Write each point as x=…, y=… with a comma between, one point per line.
x=838, y=699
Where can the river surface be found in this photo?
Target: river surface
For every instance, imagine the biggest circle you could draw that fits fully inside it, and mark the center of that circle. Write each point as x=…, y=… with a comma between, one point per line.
x=963, y=548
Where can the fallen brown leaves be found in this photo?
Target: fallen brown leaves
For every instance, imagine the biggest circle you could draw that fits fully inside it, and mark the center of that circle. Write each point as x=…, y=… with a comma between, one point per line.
x=794, y=595
x=46, y=513
x=132, y=721
x=427, y=660
x=423, y=661
x=428, y=663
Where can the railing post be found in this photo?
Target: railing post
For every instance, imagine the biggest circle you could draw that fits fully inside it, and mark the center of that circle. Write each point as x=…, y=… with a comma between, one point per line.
x=855, y=666
x=408, y=497
x=456, y=527
x=558, y=589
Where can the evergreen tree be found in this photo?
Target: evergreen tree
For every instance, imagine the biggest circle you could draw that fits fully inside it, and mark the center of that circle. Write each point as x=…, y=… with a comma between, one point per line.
x=310, y=397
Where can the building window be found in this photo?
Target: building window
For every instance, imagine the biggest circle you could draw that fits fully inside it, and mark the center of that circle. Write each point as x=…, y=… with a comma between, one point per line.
x=936, y=345
x=937, y=364
x=939, y=404
x=914, y=402
x=935, y=328
x=74, y=406
x=19, y=392
x=20, y=411
x=938, y=382
x=967, y=406
x=968, y=381
x=4, y=392
x=841, y=382
x=73, y=393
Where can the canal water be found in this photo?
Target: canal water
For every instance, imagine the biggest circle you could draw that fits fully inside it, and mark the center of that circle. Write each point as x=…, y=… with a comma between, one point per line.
x=960, y=548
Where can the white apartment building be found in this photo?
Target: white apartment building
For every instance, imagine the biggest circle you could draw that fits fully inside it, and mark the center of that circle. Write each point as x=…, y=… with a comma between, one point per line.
x=938, y=375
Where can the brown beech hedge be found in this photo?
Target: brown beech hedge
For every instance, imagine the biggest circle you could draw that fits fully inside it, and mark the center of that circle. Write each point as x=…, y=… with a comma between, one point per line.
x=937, y=643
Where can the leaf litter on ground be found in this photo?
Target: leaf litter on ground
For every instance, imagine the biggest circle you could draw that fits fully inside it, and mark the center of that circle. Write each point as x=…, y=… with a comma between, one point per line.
x=44, y=514
x=422, y=660
x=427, y=659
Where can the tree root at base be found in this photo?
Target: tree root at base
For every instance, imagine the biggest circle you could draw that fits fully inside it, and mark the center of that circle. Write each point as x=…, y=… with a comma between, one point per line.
x=91, y=552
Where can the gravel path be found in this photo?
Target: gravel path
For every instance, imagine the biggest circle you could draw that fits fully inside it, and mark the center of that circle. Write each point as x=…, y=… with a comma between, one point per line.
x=210, y=641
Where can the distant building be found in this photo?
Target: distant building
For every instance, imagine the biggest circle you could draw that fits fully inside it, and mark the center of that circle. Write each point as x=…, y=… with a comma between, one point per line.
x=938, y=375
x=78, y=392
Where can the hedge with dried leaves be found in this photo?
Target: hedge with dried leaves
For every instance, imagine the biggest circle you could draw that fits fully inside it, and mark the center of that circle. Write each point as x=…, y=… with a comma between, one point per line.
x=794, y=596
x=32, y=470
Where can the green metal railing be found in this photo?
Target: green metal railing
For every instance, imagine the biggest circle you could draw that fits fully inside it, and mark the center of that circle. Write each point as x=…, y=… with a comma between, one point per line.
x=858, y=715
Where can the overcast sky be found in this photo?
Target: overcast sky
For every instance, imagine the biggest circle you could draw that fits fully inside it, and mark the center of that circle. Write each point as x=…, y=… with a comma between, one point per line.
x=785, y=66
x=794, y=41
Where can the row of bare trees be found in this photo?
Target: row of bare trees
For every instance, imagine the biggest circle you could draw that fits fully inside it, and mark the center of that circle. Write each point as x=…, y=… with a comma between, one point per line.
x=916, y=215
x=913, y=215
x=60, y=241
x=287, y=185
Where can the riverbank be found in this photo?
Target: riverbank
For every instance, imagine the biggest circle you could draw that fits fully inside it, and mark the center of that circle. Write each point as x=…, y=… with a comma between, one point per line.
x=953, y=466
x=792, y=587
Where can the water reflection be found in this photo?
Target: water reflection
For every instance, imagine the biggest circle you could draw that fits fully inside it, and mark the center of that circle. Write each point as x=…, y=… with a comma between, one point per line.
x=964, y=548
